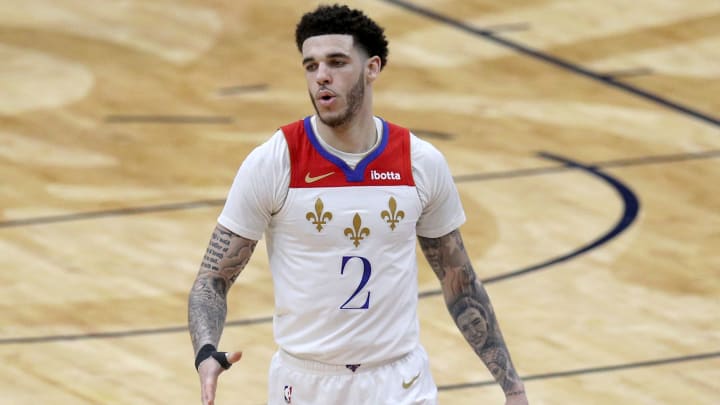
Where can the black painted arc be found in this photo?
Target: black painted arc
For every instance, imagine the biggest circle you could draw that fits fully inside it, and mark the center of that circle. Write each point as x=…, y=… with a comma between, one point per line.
x=631, y=207
x=553, y=60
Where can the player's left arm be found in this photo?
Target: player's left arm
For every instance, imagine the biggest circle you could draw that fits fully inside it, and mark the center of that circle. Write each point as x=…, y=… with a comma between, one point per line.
x=470, y=307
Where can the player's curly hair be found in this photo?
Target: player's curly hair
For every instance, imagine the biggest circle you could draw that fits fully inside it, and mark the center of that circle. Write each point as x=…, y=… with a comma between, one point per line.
x=339, y=19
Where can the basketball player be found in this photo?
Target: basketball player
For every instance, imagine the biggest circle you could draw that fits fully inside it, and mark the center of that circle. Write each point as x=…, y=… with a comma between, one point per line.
x=341, y=197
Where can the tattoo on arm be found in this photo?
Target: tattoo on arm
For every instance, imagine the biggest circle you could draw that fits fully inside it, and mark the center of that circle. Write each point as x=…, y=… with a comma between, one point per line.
x=470, y=307
x=225, y=258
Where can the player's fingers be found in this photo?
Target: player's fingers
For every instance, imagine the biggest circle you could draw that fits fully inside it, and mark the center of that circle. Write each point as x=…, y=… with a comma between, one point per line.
x=233, y=357
x=208, y=391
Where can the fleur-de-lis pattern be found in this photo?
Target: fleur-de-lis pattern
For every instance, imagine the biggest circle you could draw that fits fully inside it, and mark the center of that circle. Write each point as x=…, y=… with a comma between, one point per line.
x=357, y=232
x=392, y=216
x=319, y=218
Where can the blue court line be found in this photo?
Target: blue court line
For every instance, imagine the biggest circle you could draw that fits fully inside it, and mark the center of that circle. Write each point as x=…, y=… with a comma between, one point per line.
x=168, y=119
x=121, y=334
x=553, y=60
x=643, y=160
x=592, y=370
x=147, y=209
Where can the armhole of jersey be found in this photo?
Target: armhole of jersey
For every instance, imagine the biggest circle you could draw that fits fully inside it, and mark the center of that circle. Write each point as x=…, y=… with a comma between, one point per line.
x=408, y=156
x=404, y=133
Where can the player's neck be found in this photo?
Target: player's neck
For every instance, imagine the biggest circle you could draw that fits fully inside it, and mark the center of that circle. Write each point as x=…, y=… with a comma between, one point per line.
x=356, y=136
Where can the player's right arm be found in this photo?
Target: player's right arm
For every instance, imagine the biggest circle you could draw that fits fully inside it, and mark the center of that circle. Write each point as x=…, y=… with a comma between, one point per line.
x=257, y=192
x=224, y=260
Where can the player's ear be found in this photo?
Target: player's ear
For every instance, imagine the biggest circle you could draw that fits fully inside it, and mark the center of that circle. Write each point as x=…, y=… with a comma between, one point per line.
x=373, y=67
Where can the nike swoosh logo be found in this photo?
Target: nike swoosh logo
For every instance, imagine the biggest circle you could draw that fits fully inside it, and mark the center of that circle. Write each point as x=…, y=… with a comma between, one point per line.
x=409, y=384
x=309, y=179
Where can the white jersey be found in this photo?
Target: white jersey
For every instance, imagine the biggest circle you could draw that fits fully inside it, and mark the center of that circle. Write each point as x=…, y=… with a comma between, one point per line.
x=341, y=238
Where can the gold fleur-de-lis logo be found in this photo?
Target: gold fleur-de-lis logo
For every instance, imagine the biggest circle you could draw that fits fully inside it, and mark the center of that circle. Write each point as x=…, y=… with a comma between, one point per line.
x=393, y=216
x=319, y=218
x=357, y=232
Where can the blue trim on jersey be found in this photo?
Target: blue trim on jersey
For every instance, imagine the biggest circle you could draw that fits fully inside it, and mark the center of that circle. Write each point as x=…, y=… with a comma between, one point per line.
x=358, y=174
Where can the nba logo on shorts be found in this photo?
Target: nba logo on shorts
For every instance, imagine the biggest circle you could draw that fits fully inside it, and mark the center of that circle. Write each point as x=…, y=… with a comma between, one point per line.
x=287, y=394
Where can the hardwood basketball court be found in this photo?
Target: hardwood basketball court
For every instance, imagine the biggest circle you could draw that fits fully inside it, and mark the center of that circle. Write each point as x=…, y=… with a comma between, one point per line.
x=584, y=137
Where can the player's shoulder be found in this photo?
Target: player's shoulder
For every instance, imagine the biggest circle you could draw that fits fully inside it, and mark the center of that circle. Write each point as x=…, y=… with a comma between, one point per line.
x=425, y=152
x=272, y=151
x=275, y=143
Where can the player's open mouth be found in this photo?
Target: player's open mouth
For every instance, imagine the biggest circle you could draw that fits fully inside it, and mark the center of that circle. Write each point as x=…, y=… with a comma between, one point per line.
x=325, y=97
x=326, y=100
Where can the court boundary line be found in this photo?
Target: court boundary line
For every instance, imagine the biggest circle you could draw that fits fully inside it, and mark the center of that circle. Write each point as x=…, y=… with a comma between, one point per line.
x=78, y=216
x=643, y=160
x=567, y=165
x=121, y=333
x=556, y=61
x=168, y=119
x=590, y=370
x=630, y=211
x=631, y=207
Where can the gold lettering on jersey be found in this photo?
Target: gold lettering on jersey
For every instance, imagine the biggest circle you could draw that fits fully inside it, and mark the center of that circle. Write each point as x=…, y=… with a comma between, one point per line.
x=393, y=216
x=319, y=218
x=357, y=232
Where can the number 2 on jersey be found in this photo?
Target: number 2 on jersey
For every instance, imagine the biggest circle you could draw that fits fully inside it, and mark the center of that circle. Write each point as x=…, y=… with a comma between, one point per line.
x=365, y=278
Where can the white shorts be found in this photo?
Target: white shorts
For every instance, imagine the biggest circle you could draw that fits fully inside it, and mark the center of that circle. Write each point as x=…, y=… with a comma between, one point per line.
x=404, y=381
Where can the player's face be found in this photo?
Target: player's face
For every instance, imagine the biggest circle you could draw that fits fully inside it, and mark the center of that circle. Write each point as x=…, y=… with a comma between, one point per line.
x=337, y=74
x=473, y=326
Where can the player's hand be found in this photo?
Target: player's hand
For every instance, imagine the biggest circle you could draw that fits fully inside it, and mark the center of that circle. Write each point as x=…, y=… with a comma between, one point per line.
x=209, y=370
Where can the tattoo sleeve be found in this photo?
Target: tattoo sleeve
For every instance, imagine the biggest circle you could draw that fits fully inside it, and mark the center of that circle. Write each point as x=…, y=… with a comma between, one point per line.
x=226, y=256
x=470, y=307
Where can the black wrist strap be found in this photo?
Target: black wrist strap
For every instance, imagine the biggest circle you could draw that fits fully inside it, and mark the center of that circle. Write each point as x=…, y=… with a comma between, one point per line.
x=221, y=358
x=210, y=351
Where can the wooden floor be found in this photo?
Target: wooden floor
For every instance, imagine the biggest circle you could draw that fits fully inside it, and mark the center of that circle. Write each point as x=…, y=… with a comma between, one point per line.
x=584, y=137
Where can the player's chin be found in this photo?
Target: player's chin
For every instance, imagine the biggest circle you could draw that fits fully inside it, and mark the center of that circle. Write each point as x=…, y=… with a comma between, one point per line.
x=332, y=119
